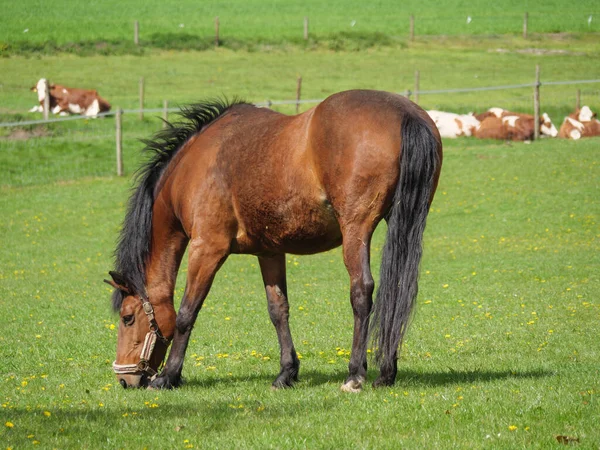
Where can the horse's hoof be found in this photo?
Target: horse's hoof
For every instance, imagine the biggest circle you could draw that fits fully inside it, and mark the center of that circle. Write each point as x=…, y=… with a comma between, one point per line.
x=277, y=386
x=383, y=382
x=162, y=383
x=353, y=385
x=282, y=383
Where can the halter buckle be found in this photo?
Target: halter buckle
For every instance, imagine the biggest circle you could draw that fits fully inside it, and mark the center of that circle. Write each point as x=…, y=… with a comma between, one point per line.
x=148, y=308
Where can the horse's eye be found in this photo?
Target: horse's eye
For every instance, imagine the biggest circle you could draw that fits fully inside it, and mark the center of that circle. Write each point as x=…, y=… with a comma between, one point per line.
x=128, y=320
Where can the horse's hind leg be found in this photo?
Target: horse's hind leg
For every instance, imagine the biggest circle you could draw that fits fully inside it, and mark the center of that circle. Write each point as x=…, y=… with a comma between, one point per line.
x=273, y=273
x=357, y=257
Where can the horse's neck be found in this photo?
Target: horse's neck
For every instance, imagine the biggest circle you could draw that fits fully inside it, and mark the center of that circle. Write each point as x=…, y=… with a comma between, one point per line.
x=168, y=247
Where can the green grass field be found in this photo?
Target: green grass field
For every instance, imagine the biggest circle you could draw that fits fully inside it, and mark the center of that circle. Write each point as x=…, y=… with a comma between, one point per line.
x=503, y=349
x=501, y=353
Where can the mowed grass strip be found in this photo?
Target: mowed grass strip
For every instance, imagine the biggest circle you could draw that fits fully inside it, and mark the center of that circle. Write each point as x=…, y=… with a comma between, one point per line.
x=183, y=77
x=501, y=352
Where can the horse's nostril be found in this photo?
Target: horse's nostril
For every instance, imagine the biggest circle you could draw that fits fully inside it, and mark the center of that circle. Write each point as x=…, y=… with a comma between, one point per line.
x=123, y=383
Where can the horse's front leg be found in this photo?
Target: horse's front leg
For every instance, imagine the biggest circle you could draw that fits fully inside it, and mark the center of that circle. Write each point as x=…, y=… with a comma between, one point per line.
x=274, y=278
x=356, y=258
x=202, y=266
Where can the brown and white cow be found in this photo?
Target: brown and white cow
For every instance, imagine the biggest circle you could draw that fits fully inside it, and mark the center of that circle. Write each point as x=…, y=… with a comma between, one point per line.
x=581, y=123
x=65, y=100
x=512, y=126
x=492, y=112
x=453, y=125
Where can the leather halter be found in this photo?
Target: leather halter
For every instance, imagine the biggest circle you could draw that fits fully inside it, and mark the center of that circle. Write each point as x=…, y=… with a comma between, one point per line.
x=152, y=336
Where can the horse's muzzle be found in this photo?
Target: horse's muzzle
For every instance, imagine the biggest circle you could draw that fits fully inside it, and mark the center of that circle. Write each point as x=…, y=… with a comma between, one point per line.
x=133, y=380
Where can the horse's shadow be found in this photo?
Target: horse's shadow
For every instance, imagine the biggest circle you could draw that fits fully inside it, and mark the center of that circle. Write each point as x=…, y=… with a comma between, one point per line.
x=405, y=378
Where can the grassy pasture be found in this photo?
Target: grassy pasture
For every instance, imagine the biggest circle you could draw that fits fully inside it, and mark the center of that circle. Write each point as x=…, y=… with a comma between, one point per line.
x=501, y=353
x=86, y=148
x=183, y=77
x=107, y=26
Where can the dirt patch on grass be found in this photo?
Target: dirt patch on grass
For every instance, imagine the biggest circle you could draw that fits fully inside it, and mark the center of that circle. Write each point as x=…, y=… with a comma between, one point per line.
x=19, y=134
x=537, y=51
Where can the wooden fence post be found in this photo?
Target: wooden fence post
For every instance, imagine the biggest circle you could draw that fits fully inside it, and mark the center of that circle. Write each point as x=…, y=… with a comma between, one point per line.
x=298, y=92
x=119, y=139
x=306, y=28
x=165, y=115
x=578, y=100
x=46, y=100
x=536, y=104
x=411, y=32
x=417, y=76
x=525, y=20
x=217, y=31
x=141, y=98
x=136, y=33
x=407, y=93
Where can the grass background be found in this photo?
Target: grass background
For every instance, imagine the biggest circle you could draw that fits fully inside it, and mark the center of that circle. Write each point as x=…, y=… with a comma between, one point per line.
x=502, y=351
x=32, y=23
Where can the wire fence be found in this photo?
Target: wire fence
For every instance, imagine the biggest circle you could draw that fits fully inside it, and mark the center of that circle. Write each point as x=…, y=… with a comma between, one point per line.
x=67, y=148
x=298, y=101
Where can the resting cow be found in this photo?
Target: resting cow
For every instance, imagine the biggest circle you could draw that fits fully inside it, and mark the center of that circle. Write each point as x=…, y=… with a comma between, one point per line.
x=513, y=128
x=581, y=123
x=65, y=100
x=453, y=125
x=508, y=125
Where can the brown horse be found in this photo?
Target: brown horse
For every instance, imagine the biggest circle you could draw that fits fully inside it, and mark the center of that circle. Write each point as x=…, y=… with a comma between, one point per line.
x=234, y=178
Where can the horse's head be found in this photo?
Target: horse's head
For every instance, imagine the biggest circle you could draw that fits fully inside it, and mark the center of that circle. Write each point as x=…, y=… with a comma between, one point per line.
x=145, y=331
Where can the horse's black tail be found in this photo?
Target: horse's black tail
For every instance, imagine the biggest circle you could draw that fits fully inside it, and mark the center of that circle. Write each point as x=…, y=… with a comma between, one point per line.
x=419, y=165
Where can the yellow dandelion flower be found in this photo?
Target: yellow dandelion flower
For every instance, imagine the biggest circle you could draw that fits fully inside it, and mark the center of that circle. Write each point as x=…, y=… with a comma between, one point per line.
x=513, y=427
x=47, y=413
x=9, y=424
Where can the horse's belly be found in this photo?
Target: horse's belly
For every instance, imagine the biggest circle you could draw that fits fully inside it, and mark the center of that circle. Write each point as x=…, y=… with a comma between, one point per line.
x=292, y=226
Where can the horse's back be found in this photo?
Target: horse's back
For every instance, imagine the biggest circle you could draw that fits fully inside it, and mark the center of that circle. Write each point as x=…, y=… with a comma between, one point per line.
x=293, y=184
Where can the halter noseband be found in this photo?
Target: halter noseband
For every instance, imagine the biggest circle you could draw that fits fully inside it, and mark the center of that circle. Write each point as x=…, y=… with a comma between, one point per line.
x=152, y=336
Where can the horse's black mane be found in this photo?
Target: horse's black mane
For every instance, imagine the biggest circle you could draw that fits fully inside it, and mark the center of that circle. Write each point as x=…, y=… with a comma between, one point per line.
x=133, y=247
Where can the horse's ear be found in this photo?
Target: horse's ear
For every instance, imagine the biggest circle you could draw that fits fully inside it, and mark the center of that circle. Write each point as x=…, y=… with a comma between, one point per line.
x=118, y=282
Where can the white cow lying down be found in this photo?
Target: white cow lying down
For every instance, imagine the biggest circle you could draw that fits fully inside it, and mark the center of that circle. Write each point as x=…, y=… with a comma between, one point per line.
x=453, y=125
